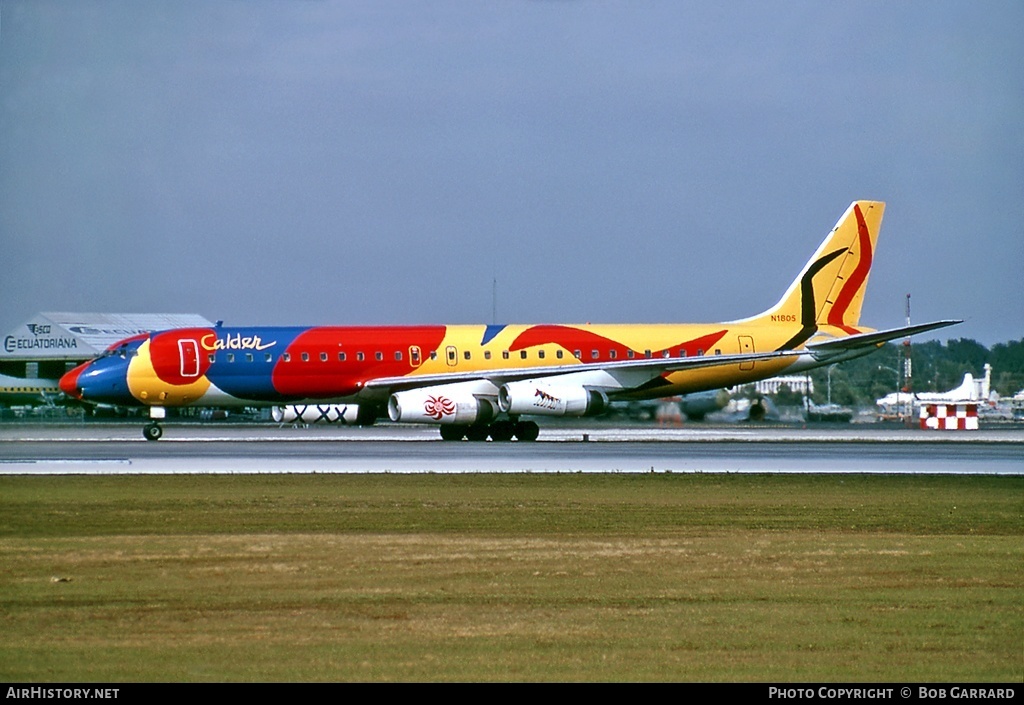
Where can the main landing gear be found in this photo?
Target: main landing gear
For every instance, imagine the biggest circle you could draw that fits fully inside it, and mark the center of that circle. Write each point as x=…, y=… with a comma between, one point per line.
x=498, y=431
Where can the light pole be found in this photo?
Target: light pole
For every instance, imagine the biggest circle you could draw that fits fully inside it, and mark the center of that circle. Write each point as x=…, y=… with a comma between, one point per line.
x=829, y=371
x=899, y=411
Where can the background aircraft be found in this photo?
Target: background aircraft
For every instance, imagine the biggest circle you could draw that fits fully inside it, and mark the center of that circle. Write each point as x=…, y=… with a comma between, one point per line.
x=28, y=390
x=479, y=381
x=969, y=390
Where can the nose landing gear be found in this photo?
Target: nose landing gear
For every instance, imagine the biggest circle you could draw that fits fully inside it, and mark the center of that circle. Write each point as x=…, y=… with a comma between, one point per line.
x=153, y=430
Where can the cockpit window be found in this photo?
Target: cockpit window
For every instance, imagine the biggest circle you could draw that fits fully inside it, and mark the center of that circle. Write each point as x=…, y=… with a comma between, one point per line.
x=122, y=351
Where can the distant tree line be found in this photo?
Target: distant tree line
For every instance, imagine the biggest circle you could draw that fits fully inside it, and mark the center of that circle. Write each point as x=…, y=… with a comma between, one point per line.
x=935, y=367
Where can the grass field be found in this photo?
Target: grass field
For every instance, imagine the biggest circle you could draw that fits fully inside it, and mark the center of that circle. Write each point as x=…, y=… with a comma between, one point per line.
x=512, y=577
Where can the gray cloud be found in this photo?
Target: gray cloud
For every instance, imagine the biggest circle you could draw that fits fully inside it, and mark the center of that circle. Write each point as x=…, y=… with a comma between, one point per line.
x=333, y=162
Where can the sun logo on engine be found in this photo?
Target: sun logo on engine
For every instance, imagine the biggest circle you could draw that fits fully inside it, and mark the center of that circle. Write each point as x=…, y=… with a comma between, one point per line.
x=436, y=407
x=546, y=401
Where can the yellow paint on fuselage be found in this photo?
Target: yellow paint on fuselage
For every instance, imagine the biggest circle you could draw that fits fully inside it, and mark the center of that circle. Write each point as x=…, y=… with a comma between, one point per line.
x=148, y=388
x=471, y=355
x=824, y=300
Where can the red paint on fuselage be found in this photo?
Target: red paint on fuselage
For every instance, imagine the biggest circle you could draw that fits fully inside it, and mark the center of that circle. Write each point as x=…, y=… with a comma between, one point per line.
x=314, y=368
x=579, y=339
x=69, y=382
x=166, y=350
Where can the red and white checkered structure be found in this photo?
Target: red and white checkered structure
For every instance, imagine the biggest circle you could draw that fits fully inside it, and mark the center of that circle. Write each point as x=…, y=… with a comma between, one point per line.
x=950, y=416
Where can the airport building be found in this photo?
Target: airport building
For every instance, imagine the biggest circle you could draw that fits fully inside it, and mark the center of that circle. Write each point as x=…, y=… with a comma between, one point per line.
x=35, y=354
x=801, y=384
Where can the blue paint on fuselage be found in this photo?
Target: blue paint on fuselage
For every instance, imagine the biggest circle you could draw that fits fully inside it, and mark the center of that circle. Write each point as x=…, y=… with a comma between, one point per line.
x=248, y=373
x=491, y=331
x=105, y=380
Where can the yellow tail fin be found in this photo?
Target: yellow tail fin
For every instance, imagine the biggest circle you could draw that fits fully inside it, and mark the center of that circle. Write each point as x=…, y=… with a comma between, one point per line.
x=829, y=291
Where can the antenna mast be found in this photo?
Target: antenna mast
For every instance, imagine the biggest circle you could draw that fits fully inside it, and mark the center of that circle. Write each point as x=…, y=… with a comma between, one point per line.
x=907, y=368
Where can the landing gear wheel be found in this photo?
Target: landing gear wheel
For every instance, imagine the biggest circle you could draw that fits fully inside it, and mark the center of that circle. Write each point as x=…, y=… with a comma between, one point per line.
x=152, y=432
x=502, y=431
x=453, y=433
x=477, y=433
x=527, y=431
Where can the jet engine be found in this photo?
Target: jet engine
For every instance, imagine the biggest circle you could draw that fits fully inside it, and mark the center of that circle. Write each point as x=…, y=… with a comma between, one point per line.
x=347, y=414
x=550, y=399
x=445, y=404
x=698, y=404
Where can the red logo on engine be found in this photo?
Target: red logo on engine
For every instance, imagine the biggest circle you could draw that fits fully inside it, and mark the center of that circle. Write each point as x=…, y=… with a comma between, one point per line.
x=439, y=406
x=546, y=401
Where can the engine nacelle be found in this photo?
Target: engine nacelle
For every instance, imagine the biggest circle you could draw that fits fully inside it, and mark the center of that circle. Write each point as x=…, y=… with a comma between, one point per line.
x=347, y=414
x=445, y=404
x=550, y=399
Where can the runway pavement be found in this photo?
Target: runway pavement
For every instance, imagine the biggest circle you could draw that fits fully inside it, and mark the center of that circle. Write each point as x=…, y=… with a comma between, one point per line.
x=236, y=448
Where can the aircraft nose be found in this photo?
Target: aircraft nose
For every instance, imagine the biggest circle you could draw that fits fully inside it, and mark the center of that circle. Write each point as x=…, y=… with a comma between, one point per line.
x=104, y=380
x=69, y=382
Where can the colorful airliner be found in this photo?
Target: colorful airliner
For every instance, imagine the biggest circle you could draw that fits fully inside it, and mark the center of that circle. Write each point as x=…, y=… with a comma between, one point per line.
x=479, y=381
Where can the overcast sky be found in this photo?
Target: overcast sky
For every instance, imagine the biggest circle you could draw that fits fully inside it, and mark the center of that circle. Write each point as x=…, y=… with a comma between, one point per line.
x=384, y=162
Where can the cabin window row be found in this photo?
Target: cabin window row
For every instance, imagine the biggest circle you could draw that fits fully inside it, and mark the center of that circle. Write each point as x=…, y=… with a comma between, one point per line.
x=466, y=354
x=306, y=357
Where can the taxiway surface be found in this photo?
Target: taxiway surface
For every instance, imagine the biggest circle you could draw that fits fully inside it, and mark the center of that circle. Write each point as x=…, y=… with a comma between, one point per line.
x=119, y=448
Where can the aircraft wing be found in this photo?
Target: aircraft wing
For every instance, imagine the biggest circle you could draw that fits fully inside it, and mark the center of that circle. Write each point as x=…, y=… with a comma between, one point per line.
x=863, y=340
x=623, y=375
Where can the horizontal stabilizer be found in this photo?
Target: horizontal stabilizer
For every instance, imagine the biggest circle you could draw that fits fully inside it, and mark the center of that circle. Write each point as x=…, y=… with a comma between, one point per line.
x=863, y=340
